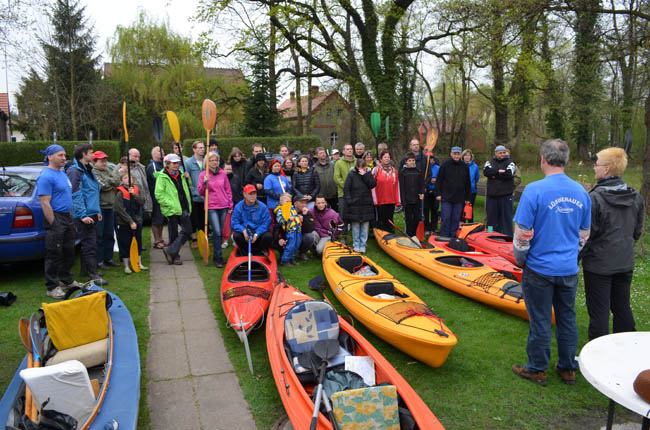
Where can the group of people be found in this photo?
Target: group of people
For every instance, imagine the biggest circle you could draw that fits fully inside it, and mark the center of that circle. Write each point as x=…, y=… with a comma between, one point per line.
x=87, y=199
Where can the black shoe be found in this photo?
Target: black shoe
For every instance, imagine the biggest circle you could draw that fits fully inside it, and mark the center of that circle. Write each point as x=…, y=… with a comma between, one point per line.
x=218, y=264
x=169, y=258
x=178, y=261
x=144, y=248
x=102, y=266
x=111, y=263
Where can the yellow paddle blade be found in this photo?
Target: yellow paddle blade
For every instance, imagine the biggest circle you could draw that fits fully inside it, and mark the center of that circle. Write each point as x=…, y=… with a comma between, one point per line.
x=203, y=245
x=134, y=255
x=286, y=210
x=432, y=139
x=126, y=133
x=172, y=119
x=209, y=114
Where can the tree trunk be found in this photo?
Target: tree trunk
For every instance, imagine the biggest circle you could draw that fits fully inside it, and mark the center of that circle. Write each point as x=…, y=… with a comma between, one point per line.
x=296, y=62
x=645, y=184
x=500, y=104
x=272, y=77
x=354, y=115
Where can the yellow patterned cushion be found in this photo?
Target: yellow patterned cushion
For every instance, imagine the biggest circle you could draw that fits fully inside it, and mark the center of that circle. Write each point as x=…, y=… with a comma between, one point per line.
x=367, y=408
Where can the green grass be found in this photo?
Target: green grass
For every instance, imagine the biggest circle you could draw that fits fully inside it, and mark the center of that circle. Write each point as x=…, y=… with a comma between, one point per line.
x=475, y=388
x=27, y=281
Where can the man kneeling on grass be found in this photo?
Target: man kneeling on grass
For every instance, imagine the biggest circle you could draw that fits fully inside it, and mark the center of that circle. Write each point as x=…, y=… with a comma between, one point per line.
x=251, y=219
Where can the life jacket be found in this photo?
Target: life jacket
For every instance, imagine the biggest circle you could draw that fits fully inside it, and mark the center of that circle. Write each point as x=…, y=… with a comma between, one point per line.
x=131, y=208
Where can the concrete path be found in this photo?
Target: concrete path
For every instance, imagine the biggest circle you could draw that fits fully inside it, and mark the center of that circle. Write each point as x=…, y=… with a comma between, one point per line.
x=192, y=384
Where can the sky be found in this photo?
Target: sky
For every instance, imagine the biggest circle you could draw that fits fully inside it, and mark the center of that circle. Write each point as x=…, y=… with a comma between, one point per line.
x=106, y=16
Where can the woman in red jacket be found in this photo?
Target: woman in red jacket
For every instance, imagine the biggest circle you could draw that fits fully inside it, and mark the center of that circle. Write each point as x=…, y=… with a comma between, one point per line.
x=386, y=194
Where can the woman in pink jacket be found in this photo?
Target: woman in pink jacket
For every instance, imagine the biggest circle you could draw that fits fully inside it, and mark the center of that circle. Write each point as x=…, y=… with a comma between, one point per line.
x=386, y=194
x=219, y=201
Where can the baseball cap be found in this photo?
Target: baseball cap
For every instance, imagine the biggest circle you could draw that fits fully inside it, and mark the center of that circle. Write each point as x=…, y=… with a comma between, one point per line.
x=298, y=196
x=335, y=151
x=172, y=158
x=250, y=188
x=456, y=149
x=98, y=155
x=500, y=148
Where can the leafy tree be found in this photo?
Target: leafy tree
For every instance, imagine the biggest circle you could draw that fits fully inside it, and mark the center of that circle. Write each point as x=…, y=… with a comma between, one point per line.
x=71, y=68
x=36, y=105
x=261, y=118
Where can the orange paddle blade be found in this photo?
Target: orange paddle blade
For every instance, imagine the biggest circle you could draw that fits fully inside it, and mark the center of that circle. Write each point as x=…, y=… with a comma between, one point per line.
x=419, y=233
x=134, y=255
x=432, y=139
x=209, y=115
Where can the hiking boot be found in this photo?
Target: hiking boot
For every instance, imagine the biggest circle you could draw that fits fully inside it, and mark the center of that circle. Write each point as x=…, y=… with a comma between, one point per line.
x=568, y=376
x=56, y=293
x=536, y=377
x=168, y=257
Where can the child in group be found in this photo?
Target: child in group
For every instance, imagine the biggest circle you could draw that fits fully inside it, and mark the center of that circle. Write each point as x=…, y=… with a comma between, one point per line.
x=431, y=204
x=411, y=187
x=128, y=217
x=289, y=222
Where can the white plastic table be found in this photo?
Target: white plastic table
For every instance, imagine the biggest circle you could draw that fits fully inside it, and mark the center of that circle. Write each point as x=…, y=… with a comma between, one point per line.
x=611, y=364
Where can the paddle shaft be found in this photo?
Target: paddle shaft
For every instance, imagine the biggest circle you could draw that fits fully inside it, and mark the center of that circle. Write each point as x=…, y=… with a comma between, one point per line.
x=400, y=230
x=249, y=257
x=205, y=206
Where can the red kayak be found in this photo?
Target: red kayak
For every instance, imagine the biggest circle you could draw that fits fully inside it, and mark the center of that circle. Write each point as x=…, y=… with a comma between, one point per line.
x=295, y=325
x=494, y=243
x=245, y=296
x=462, y=247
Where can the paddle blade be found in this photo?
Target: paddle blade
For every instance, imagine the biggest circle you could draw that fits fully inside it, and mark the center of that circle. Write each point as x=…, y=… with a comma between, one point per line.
x=226, y=227
x=175, y=128
x=326, y=349
x=387, y=128
x=126, y=133
x=23, y=329
x=134, y=255
x=375, y=123
x=203, y=245
x=432, y=139
x=420, y=130
x=419, y=232
x=209, y=114
x=158, y=129
x=286, y=211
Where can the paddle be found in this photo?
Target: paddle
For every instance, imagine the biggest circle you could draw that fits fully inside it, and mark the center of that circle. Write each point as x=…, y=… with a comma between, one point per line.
x=175, y=128
x=209, y=116
x=134, y=249
x=248, y=233
x=419, y=231
x=158, y=135
x=375, y=124
x=37, y=351
x=324, y=350
x=400, y=230
x=23, y=329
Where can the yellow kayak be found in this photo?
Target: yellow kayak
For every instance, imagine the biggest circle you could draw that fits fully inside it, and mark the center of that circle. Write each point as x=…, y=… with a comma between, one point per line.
x=386, y=306
x=462, y=275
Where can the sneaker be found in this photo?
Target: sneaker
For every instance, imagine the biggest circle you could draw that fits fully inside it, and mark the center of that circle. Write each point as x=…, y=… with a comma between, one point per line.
x=111, y=263
x=143, y=268
x=168, y=257
x=294, y=263
x=56, y=293
x=568, y=376
x=536, y=377
x=98, y=280
x=128, y=270
x=72, y=284
x=224, y=245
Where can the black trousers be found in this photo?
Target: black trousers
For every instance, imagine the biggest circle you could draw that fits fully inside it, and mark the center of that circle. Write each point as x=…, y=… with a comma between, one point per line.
x=605, y=293
x=176, y=241
x=384, y=215
x=411, y=217
x=88, y=246
x=262, y=242
x=124, y=235
x=499, y=214
x=59, y=250
x=431, y=206
x=198, y=216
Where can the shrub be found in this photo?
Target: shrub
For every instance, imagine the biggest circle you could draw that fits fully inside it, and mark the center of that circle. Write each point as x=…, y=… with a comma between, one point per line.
x=17, y=153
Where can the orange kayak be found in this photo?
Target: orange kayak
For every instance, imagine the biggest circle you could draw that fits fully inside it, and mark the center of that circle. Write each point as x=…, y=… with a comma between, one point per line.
x=494, y=243
x=244, y=302
x=295, y=395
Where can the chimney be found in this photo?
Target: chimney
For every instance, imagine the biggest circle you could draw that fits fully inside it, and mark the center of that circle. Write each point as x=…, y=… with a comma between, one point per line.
x=292, y=96
x=314, y=90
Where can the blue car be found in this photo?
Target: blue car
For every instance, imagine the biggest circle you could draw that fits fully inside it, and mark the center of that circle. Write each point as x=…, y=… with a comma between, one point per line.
x=22, y=236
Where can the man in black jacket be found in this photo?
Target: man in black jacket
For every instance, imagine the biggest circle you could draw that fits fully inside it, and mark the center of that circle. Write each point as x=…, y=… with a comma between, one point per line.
x=454, y=190
x=500, y=173
x=411, y=189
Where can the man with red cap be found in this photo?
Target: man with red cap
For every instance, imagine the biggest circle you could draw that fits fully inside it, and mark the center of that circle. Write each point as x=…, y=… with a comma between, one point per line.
x=251, y=219
x=108, y=179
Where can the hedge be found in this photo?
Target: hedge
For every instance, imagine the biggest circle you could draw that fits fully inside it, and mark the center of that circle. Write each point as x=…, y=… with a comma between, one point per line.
x=17, y=153
x=272, y=144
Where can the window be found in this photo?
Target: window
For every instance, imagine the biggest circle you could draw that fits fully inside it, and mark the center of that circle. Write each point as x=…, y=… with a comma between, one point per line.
x=329, y=112
x=334, y=139
x=339, y=112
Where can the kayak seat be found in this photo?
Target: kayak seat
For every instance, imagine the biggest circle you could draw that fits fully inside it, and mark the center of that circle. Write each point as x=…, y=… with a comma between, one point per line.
x=351, y=263
x=307, y=323
x=375, y=288
x=458, y=244
x=459, y=261
x=259, y=272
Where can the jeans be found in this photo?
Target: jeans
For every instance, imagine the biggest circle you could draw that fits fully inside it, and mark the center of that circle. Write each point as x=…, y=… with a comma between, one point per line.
x=543, y=294
x=217, y=219
x=359, y=235
x=59, y=250
x=294, y=238
x=499, y=214
x=451, y=213
x=105, y=236
x=605, y=293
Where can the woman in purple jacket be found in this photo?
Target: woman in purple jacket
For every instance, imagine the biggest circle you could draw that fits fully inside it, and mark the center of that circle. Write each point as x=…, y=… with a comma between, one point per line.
x=326, y=222
x=219, y=201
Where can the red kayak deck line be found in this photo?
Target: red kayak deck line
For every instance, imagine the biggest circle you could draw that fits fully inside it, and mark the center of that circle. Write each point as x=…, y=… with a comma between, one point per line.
x=245, y=302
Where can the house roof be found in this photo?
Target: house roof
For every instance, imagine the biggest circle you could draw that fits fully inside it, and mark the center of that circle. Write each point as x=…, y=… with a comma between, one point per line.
x=4, y=102
x=288, y=106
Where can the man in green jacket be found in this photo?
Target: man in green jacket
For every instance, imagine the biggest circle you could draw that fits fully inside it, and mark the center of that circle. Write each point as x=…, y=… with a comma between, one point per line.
x=108, y=179
x=173, y=195
x=341, y=170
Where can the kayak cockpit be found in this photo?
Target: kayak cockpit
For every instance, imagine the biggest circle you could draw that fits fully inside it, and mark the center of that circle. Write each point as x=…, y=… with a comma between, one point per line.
x=458, y=261
x=357, y=266
x=383, y=289
x=259, y=273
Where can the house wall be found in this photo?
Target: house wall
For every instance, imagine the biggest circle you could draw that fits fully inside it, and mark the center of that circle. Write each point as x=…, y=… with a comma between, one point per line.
x=332, y=116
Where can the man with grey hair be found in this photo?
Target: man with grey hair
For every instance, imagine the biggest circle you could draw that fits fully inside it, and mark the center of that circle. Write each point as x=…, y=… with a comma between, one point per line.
x=139, y=173
x=552, y=223
x=500, y=173
x=359, y=150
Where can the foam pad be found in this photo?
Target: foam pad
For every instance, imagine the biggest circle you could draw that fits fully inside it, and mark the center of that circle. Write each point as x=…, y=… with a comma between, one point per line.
x=90, y=355
x=66, y=385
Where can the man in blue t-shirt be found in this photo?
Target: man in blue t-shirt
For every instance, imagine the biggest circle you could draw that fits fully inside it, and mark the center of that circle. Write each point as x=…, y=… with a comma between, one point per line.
x=55, y=194
x=551, y=226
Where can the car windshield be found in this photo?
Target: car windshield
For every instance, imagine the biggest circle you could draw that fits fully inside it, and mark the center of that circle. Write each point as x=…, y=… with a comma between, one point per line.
x=17, y=184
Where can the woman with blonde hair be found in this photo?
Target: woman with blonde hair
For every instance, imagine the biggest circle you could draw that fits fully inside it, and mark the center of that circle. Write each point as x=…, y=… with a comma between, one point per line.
x=608, y=256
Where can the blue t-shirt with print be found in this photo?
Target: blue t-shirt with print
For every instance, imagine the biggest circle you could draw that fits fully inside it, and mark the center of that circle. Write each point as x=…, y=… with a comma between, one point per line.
x=55, y=183
x=556, y=207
